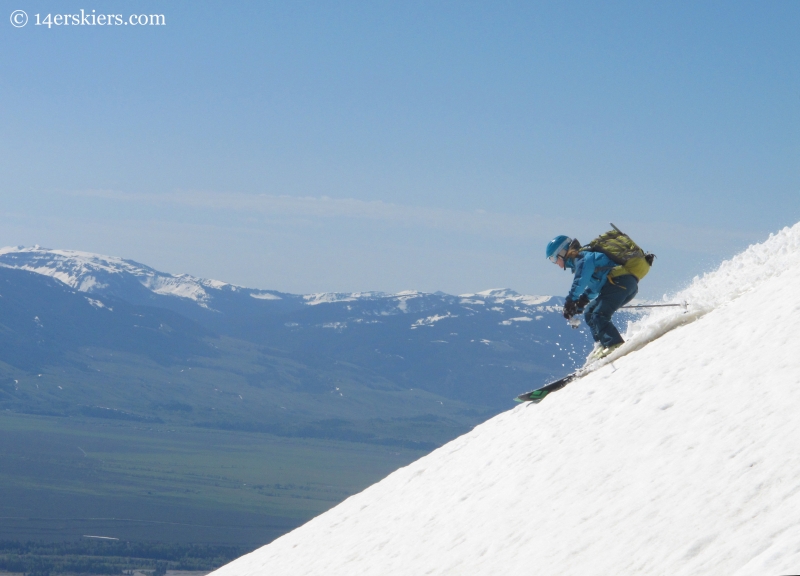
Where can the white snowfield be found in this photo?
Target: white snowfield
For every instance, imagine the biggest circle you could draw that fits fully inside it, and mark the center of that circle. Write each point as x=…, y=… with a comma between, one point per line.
x=502, y=295
x=680, y=458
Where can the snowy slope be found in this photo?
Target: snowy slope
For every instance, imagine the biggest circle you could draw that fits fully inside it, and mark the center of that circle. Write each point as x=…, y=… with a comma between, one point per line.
x=681, y=458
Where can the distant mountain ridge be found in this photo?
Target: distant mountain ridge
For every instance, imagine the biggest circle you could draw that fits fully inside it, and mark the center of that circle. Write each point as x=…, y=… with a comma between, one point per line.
x=139, y=283
x=96, y=273
x=480, y=348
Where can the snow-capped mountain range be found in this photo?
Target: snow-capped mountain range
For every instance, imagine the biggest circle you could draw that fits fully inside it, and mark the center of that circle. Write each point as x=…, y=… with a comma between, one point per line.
x=479, y=347
x=127, y=279
x=98, y=274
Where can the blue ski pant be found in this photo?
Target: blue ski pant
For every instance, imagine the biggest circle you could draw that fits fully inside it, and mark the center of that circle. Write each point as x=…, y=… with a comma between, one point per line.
x=615, y=293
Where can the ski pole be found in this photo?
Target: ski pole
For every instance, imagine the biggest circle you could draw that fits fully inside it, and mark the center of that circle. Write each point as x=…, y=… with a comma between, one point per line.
x=683, y=305
x=575, y=323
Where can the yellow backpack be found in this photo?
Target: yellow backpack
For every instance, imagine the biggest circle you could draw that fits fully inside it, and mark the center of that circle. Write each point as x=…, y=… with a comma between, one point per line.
x=624, y=252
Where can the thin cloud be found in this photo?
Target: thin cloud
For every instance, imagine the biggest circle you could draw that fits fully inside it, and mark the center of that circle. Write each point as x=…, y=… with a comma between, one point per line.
x=701, y=240
x=478, y=221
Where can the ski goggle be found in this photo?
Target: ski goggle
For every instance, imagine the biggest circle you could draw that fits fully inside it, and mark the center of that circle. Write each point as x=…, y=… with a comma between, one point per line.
x=561, y=252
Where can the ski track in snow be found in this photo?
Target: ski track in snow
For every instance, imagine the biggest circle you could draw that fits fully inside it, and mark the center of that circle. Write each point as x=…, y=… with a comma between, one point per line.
x=680, y=459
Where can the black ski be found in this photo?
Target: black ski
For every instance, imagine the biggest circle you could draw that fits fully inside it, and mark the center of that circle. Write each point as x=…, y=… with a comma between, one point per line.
x=538, y=395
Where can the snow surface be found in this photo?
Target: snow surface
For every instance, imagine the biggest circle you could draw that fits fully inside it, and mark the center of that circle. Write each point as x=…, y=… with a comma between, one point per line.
x=264, y=296
x=682, y=458
x=332, y=297
x=431, y=320
x=518, y=319
x=502, y=295
x=98, y=304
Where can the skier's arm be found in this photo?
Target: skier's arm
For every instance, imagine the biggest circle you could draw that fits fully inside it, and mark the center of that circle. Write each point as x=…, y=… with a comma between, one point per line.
x=584, y=267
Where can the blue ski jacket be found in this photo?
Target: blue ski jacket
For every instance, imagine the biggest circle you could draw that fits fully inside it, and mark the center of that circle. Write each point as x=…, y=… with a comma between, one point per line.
x=591, y=273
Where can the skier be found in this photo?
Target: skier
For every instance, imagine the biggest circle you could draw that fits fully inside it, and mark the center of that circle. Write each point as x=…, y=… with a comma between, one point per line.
x=601, y=285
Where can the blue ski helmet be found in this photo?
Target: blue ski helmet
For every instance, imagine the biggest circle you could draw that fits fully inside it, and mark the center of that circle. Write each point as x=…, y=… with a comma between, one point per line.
x=557, y=246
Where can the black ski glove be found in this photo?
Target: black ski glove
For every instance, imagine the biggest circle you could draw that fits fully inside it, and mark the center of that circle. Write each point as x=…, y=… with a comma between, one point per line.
x=570, y=308
x=582, y=302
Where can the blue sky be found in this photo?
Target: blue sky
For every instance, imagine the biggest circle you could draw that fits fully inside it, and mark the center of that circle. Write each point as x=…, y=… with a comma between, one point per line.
x=338, y=146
